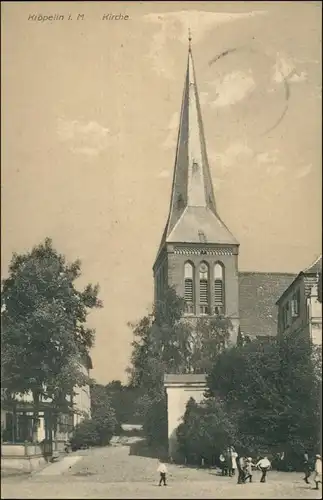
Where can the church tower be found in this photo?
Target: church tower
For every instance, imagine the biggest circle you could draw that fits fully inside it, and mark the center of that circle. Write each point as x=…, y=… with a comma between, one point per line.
x=198, y=255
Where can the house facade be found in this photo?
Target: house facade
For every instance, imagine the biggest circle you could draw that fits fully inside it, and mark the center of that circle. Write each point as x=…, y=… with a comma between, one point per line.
x=18, y=426
x=300, y=307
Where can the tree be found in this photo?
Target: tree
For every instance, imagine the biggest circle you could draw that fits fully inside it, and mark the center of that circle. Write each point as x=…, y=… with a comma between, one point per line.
x=209, y=338
x=207, y=429
x=44, y=338
x=123, y=400
x=161, y=344
x=103, y=414
x=272, y=389
x=167, y=342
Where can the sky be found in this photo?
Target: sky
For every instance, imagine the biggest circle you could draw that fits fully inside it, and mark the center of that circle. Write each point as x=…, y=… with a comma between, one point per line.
x=90, y=111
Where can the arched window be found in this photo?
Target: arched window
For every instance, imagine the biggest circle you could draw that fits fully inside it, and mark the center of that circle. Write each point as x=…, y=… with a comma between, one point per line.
x=189, y=287
x=204, y=288
x=218, y=288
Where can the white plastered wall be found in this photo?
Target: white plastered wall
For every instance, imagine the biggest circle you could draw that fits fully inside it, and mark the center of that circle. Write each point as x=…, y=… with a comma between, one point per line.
x=178, y=394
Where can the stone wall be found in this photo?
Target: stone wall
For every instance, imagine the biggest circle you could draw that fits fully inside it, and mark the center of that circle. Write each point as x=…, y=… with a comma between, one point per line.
x=21, y=457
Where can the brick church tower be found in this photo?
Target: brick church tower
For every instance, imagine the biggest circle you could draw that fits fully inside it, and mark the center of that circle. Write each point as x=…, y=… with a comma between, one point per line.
x=197, y=254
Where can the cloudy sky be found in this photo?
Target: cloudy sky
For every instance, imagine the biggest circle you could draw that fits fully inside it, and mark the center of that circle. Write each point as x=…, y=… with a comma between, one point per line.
x=90, y=111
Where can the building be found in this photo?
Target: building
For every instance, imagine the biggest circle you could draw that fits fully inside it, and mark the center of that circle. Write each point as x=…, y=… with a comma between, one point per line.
x=17, y=419
x=300, y=308
x=198, y=255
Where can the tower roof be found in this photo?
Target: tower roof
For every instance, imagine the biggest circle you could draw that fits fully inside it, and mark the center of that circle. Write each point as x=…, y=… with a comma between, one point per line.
x=193, y=217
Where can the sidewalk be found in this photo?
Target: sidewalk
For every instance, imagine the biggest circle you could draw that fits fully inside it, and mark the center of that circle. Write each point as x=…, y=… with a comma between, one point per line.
x=57, y=468
x=13, y=473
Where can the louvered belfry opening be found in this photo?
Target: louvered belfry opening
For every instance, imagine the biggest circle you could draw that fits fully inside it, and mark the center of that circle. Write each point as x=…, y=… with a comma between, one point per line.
x=189, y=288
x=218, y=289
x=204, y=288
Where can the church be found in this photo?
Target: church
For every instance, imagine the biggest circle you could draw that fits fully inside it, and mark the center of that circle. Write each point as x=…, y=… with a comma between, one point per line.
x=198, y=256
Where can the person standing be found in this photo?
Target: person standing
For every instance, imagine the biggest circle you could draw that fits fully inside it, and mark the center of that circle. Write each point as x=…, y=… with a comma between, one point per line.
x=223, y=465
x=228, y=458
x=318, y=471
x=241, y=469
x=307, y=469
x=234, y=456
x=162, y=469
x=264, y=465
x=248, y=469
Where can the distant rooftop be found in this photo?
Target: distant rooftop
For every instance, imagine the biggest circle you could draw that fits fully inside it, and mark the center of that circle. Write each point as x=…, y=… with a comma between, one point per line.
x=315, y=267
x=258, y=294
x=188, y=378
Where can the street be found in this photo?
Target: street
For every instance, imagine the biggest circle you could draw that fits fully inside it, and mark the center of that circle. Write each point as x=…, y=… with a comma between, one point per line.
x=111, y=472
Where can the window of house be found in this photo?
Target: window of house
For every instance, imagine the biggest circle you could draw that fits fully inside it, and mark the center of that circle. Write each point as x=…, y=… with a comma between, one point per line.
x=204, y=288
x=162, y=281
x=218, y=289
x=295, y=304
x=158, y=284
x=189, y=288
x=286, y=316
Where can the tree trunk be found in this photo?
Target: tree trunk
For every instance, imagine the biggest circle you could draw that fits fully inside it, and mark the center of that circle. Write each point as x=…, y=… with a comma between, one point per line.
x=35, y=416
x=14, y=424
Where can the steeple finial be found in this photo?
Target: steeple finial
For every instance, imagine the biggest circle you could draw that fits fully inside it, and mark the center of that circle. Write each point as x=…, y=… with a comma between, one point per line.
x=189, y=39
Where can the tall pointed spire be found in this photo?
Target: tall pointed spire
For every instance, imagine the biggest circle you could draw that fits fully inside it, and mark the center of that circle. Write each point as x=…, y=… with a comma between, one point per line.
x=193, y=217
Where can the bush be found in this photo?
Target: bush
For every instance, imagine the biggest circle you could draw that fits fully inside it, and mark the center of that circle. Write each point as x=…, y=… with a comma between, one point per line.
x=85, y=434
x=155, y=420
x=97, y=431
x=106, y=424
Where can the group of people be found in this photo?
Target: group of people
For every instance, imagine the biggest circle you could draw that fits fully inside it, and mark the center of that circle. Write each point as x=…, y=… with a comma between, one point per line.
x=231, y=461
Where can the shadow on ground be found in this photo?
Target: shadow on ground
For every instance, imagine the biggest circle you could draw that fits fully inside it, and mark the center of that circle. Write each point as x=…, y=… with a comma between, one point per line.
x=142, y=449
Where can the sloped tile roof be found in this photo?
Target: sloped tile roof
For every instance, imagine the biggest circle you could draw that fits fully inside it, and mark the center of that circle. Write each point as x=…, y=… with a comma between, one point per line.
x=200, y=224
x=315, y=267
x=258, y=293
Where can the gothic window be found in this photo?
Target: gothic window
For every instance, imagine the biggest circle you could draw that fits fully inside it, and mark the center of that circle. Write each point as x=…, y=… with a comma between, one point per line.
x=218, y=288
x=204, y=288
x=189, y=288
